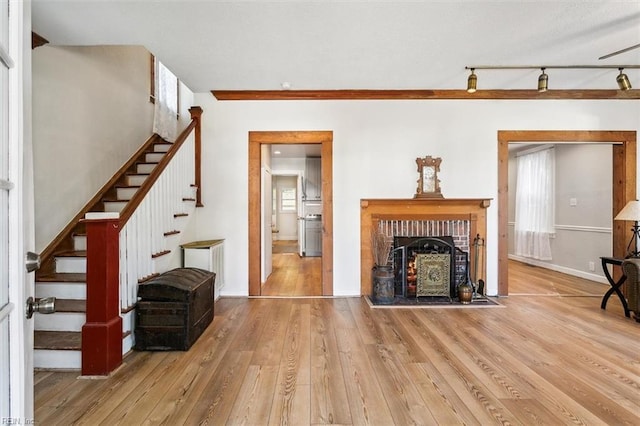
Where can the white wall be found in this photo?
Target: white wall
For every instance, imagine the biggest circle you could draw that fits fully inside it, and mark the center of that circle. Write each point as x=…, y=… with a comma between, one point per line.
x=91, y=112
x=375, y=147
x=584, y=173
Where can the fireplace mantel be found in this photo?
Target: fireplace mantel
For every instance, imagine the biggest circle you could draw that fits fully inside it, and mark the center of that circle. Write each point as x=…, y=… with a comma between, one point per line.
x=374, y=210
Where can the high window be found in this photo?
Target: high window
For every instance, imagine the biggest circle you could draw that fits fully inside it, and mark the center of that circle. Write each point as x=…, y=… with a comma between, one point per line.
x=165, y=98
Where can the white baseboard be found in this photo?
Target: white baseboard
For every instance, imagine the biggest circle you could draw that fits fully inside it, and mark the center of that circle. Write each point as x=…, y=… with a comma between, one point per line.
x=562, y=269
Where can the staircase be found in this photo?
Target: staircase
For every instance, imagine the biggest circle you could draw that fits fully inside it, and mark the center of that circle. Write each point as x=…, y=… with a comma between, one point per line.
x=57, y=340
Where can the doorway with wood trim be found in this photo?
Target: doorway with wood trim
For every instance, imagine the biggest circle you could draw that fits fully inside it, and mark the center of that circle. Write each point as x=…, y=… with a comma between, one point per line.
x=257, y=139
x=623, y=182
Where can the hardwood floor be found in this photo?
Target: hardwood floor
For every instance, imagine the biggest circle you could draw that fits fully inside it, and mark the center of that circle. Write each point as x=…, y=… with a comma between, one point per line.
x=541, y=359
x=531, y=280
x=284, y=246
x=293, y=276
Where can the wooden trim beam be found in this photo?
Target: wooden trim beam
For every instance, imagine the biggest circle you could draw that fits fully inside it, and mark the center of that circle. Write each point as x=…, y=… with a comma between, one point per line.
x=366, y=94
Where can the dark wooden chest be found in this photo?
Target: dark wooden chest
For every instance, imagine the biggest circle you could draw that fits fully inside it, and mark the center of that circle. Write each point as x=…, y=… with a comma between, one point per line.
x=174, y=309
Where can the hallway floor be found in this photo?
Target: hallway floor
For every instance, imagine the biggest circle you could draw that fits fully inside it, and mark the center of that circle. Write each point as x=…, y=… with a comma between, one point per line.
x=293, y=276
x=284, y=246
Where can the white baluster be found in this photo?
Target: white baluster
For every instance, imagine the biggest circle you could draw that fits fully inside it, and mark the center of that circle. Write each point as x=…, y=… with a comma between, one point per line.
x=143, y=235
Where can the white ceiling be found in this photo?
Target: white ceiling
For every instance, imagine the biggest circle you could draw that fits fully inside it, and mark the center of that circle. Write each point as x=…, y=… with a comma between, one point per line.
x=296, y=150
x=315, y=45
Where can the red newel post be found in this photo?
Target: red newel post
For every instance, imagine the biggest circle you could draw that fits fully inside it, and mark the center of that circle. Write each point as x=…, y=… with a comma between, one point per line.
x=102, y=332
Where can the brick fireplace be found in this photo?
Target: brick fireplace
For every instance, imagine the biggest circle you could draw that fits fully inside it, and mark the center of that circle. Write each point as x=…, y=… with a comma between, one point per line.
x=461, y=219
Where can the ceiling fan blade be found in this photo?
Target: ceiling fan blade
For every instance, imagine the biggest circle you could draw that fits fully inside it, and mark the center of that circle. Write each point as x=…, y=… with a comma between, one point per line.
x=635, y=46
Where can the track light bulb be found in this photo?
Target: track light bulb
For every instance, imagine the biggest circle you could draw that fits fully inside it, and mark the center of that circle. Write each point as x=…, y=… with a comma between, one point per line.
x=623, y=81
x=543, y=81
x=472, y=82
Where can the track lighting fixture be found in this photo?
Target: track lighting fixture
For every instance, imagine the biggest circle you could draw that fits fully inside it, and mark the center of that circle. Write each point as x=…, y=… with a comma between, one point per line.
x=543, y=79
x=472, y=82
x=623, y=81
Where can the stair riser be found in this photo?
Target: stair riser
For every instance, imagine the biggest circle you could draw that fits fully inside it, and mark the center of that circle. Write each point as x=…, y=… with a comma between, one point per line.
x=60, y=321
x=54, y=359
x=154, y=157
x=125, y=193
x=145, y=168
x=127, y=344
x=128, y=321
x=136, y=180
x=77, y=291
x=114, y=206
x=51, y=359
x=161, y=147
x=71, y=265
x=80, y=242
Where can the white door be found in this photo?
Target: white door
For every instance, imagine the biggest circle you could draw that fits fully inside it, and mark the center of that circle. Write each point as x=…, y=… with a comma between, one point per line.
x=16, y=333
x=267, y=223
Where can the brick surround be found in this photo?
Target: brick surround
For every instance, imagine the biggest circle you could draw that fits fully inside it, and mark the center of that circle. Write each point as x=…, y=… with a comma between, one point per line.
x=461, y=218
x=458, y=229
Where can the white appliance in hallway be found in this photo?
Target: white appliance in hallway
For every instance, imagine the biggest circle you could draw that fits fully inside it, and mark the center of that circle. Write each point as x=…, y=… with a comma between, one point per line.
x=312, y=203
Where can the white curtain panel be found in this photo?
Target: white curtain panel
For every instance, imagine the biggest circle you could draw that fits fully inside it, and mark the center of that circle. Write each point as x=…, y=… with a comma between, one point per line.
x=535, y=204
x=165, y=119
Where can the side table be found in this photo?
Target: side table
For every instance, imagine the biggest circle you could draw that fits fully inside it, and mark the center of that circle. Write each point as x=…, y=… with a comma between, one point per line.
x=615, y=285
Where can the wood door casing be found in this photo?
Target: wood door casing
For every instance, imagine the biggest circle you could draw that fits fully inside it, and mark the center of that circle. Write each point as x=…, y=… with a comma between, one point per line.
x=256, y=140
x=623, y=182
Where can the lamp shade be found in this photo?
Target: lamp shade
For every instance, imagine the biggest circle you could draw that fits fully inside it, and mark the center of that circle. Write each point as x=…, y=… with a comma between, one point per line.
x=472, y=82
x=630, y=212
x=623, y=81
x=543, y=82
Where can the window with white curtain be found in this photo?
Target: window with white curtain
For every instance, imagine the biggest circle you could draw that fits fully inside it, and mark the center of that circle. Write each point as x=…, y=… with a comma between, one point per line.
x=165, y=118
x=535, y=207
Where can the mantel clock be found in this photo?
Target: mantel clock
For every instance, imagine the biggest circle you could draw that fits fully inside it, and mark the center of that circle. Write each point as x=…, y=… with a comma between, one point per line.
x=428, y=182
